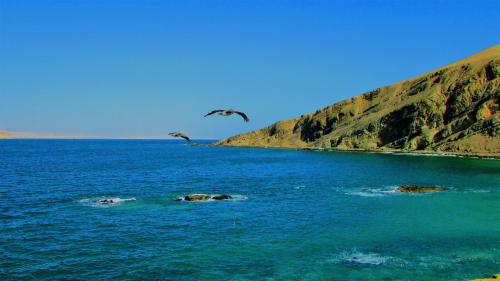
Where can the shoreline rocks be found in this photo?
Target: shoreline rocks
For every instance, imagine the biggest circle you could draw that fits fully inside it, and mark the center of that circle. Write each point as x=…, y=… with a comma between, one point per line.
x=418, y=189
x=204, y=197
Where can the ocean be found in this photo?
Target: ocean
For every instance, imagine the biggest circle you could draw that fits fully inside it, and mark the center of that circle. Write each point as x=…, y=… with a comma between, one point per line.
x=295, y=215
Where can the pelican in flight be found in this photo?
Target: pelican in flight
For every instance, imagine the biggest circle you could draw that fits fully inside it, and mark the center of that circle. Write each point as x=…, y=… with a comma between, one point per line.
x=179, y=135
x=229, y=112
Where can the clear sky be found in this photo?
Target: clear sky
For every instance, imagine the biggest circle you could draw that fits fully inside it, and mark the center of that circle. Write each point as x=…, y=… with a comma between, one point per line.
x=145, y=68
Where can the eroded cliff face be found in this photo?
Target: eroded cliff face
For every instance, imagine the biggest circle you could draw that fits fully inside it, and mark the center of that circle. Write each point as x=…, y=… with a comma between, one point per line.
x=452, y=109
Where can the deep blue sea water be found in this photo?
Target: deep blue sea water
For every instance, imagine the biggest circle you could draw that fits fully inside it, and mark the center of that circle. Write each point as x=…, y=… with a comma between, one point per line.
x=298, y=215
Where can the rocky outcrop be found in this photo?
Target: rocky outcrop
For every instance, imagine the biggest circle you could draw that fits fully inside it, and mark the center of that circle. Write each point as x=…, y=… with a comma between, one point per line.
x=453, y=109
x=222, y=197
x=196, y=197
x=203, y=197
x=415, y=188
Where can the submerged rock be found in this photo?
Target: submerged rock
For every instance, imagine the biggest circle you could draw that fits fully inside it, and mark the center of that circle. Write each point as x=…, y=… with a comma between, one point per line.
x=415, y=188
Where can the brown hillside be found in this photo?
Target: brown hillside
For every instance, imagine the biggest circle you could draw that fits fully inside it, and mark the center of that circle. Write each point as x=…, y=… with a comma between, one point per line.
x=452, y=109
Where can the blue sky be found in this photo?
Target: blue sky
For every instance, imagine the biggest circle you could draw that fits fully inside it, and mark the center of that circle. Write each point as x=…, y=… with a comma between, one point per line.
x=145, y=68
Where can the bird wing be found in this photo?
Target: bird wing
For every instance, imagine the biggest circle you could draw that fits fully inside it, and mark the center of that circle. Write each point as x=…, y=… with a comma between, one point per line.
x=245, y=117
x=214, y=111
x=179, y=135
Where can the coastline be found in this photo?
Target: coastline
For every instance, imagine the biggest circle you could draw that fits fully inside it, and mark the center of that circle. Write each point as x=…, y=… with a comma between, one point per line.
x=217, y=143
x=385, y=151
x=437, y=113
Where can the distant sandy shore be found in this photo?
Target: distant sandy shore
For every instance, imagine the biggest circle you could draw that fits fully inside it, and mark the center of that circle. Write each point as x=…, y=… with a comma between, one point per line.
x=24, y=135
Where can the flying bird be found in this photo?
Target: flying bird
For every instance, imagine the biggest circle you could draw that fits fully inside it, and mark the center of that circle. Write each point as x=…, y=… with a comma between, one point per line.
x=179, y=135
x=229, y=112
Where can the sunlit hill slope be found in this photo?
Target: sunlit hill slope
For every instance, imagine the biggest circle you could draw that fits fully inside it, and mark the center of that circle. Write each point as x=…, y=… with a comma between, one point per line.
x=453, y=109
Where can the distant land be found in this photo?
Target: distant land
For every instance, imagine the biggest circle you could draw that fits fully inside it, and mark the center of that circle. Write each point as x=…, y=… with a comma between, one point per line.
x=453, y=109
x=25, y=135
x=4, y=135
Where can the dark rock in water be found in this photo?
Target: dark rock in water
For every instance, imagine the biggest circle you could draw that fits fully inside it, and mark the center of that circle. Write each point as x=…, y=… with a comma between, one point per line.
x=415, y=188
x=222, y=197
x=196, y=197
x=203, y=197
x=106, y=201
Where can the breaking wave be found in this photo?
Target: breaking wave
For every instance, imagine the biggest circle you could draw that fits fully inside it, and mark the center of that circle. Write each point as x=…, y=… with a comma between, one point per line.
x=374, y=192
x=391, y=191
x=363, y=259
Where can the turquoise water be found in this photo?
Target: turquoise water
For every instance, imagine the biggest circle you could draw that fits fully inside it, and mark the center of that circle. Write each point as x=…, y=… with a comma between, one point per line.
x=297, y=215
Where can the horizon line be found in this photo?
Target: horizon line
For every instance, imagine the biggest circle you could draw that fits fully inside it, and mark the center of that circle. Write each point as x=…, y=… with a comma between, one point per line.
x=25, y=135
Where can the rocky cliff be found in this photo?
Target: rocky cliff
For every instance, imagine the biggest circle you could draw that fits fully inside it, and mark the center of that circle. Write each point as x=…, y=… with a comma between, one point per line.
x=453, y=109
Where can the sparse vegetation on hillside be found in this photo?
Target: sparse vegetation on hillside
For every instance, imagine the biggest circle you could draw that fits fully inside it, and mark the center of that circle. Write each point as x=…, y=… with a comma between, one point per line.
x=453, y=109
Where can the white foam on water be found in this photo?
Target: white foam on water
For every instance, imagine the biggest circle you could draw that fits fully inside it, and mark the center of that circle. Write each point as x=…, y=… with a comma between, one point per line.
x=477, y=191
x=299, y=187
x=438, y=155
x=374, y=192
x=238, y=197
x=94, y=202
x=391, y=191
x=455, y=258
x=366, y=194
x=369, y=259
x=423, y=154
x=360, y=258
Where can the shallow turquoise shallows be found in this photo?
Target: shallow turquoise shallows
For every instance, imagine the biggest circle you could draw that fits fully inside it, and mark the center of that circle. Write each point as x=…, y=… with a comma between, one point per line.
x=295, y=215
